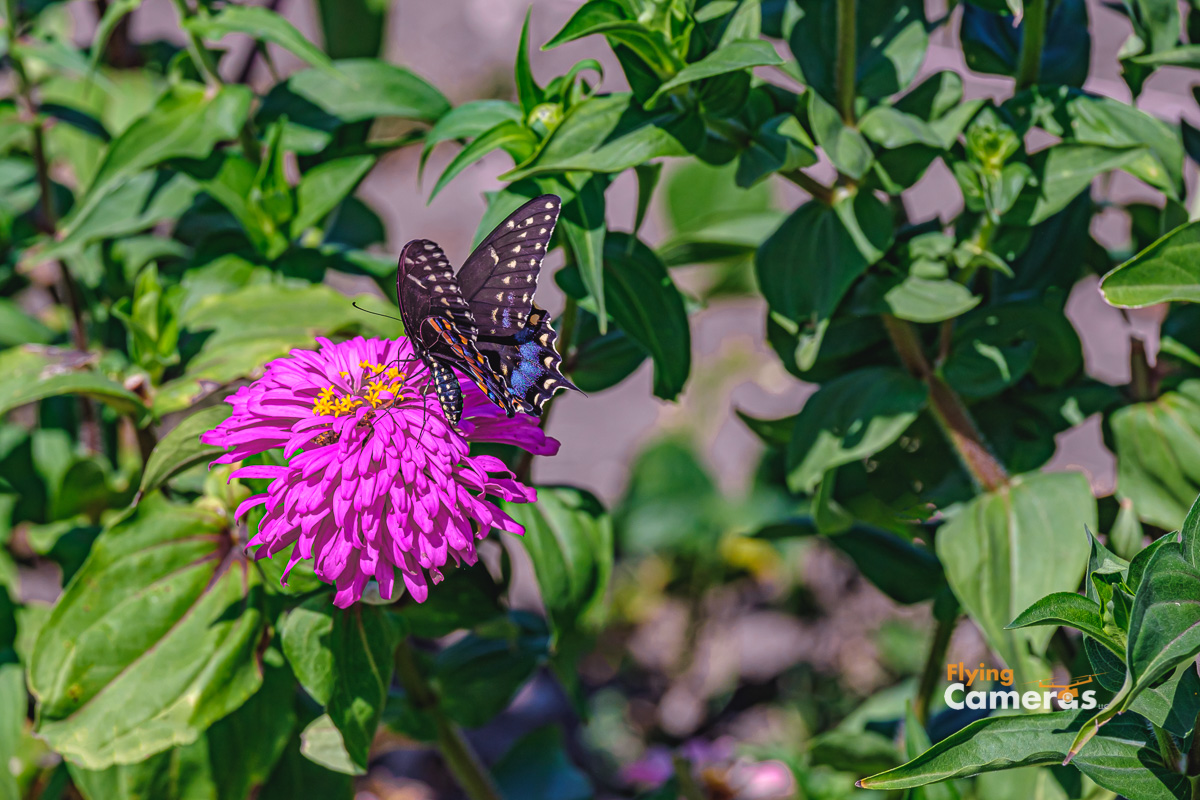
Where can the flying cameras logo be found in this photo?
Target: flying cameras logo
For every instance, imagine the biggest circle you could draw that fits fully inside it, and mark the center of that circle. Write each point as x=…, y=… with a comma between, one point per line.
x=1069, y=695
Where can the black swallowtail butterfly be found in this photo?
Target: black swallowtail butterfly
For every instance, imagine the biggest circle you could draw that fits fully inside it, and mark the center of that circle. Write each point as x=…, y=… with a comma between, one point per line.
x=484, y=322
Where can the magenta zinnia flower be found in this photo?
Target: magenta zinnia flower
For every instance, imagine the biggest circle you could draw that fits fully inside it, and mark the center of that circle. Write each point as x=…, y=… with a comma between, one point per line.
x=377, y=480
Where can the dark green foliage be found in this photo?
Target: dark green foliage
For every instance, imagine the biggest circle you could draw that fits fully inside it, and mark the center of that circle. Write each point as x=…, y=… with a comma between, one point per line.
x=166, y=230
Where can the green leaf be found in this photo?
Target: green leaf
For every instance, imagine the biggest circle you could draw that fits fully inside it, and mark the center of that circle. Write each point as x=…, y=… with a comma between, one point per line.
x=806, y=267
x=232, y=759
x=132, y=205
x=891, y=42
x=185, y=123
x=1190, y=534
x=916, y=741
x=353, y=28
x=851, y=417
x=1165, y=271
x=1187, y=55
x=324, y=186
x=889, y=127
x=538, y=768
x=611, y=134
x=602, y=362
x=779, y=145
x=1164, y=631
x=583, y=225
x=181, y=448
x=733, y=57
x=1172, y=704
x=648, y=176
x=13, y=708
x=1006, y=549
x=845, y=146
x=262, y=24
x=295, y=775
x=853, y=751
x=644, y=303
x=920, y=299
x=249, y=327
x=992, y=43
x=1062, y=172
x=172, y=588
x=609, y=18
x=481, y=673
x=569, y=538
x=1164, y=625
x=904, y=571
x=367, y=88
x=1123, y=759
x=343, y=658
x=510, y=136
x=1028, y=335
x=1066, y=608
x=977, y=368
x=1111, y=123
x=528, y=92
x=34, y=374
x=468, y=121
x=318, y=103
x=17, y=327
x=56, y=56
x=321, y=743
x=465, y=599
x=1158, y=454
x=1126, y=536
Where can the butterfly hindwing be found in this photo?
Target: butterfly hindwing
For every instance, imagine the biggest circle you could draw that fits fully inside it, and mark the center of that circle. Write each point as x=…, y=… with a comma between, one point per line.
x=529, y=362
x=499, y=278
x=467, y=358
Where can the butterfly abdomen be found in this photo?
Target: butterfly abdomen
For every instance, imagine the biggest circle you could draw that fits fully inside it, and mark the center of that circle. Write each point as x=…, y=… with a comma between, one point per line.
x=449, y=392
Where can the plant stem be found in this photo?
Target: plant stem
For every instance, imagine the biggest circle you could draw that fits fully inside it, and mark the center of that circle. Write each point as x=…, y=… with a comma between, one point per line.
x=847, y=59
x=208, y=68
x=948, y=409
x=1034, y=36
x=89, y=427
x=462, y=761
x=256, y=50
x=818, y=190
x=1169, y=751
x=1141, y=374
x=934, y=664
x=1193, y=759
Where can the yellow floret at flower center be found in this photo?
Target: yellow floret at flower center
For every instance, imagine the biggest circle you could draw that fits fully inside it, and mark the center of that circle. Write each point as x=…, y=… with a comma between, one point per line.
x=371, y=383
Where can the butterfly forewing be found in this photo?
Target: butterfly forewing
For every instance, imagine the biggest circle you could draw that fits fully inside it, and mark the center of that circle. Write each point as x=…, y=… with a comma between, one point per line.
x=426, y=288
x=500, y=277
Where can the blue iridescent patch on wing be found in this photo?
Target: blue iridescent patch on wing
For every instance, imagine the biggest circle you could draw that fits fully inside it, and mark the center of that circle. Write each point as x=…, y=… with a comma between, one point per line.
x=529, y=367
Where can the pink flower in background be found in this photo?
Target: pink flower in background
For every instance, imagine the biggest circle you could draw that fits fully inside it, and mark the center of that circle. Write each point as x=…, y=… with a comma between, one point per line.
x=717, y=770
x=376, y=479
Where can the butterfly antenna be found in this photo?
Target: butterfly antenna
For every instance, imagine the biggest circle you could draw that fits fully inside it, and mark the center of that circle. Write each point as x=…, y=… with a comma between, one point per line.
x=376, y=313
